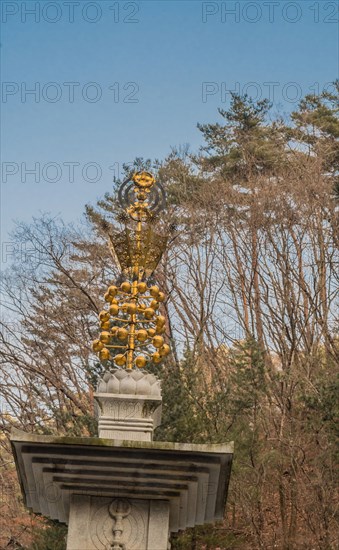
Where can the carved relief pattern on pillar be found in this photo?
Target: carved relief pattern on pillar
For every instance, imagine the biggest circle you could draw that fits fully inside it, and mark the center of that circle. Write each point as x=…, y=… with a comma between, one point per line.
x=118, y=510
x=119, y=525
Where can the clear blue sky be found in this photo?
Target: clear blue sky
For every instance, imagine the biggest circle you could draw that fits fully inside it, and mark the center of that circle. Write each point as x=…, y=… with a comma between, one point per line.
x=146, y=64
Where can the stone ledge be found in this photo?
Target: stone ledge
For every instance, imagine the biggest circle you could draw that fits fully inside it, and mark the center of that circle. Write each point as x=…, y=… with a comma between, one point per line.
x=21, y=436
x=192, y=478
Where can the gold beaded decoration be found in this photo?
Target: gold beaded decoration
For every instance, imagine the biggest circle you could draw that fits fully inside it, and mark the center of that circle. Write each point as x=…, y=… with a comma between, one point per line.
x=132, y=329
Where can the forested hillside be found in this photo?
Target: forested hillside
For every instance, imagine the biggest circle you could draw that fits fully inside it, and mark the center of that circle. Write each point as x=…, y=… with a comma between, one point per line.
x=251, y=275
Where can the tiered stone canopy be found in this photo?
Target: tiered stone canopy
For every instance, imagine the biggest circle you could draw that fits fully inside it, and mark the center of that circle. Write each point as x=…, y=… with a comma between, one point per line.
x=191, y=479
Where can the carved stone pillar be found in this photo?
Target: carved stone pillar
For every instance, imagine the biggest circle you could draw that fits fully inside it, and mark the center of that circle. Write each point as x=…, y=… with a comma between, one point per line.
x=128, y=407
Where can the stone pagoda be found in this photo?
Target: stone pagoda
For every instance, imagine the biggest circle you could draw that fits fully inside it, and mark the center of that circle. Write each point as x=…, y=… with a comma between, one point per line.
x=122, y=490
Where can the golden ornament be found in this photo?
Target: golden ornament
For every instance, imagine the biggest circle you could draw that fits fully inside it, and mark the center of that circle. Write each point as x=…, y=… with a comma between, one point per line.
x=160, y=320
x=131, y=308
x=120, y=359
x=134, y=304
x=154, y=291
x=161, y=297
x=142, y=335
x=143, y=179
x=104, y=354
x=126, y=287
x=164, y=350
x=122, y=333
x=112, y=290
x=140, y=361
x=104, y=316
x=142, y=287
x=149, y=312
x=114, y=309
x=108, y=297
x=105, y=337
x=158, y=341
x=97, y=345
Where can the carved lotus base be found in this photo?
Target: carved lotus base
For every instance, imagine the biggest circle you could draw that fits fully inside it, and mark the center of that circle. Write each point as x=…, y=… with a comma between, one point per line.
x=128, y=405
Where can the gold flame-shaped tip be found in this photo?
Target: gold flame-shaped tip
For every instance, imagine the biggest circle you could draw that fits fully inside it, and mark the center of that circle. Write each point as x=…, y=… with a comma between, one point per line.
x=145, y=180
x=133, y=328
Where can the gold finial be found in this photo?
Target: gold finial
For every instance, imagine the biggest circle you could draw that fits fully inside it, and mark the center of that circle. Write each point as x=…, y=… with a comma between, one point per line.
x=133, y=326
x=143, y=179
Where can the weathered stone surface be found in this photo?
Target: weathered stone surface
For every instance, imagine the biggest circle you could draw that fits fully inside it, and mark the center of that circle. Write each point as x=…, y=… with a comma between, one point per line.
x=128, y=405
x=96, y=523
x=158, y=526
x=121, y=490
x=193, y=479
x=132, y=382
